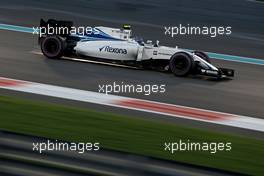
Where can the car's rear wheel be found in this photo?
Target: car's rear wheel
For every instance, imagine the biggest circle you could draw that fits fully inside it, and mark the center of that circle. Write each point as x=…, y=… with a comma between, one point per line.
x=181, y=64
x=202, y=55
x=53, y=46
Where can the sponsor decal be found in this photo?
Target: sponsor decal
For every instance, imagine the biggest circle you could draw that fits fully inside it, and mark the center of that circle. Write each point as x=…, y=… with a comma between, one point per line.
x=209, y=72
x=100, y=49
x=110, y=49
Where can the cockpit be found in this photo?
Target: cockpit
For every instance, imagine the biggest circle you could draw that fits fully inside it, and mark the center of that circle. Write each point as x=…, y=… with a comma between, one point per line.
x=124, y=34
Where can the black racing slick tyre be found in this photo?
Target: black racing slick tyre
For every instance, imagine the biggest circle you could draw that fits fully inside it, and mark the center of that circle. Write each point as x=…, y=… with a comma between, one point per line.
x=202, y=55
x=53, y=47
x=181, y=64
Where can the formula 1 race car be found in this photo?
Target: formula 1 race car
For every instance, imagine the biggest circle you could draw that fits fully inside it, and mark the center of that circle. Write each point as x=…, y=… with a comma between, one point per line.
x=118, y=45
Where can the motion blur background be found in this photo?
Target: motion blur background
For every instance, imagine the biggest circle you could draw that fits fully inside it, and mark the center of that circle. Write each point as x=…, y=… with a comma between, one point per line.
x=131, y=140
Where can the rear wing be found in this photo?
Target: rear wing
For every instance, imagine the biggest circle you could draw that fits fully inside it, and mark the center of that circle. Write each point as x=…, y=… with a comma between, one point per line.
x=54, y=27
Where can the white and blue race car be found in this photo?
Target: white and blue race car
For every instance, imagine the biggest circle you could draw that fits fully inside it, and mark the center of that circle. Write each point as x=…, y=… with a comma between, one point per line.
x=117, y=45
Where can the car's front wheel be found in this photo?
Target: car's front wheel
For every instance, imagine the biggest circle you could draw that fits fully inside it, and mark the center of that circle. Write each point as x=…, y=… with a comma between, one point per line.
x=53, y=47
x=181, y=64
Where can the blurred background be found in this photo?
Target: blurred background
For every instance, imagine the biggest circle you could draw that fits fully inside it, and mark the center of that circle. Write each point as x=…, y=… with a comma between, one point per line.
x=132, y=142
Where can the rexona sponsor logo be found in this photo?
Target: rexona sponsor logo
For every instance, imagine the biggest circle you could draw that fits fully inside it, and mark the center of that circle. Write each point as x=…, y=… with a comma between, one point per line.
x=110, y=49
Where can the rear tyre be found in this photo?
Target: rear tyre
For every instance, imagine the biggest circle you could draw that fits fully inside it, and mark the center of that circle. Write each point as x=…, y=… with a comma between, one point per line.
x=53, y=47
x=202, y=55
x=181, y=64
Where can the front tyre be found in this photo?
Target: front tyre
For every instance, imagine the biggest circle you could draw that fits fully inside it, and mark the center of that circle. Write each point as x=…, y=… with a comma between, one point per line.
x=53, y=47
x=181, y=64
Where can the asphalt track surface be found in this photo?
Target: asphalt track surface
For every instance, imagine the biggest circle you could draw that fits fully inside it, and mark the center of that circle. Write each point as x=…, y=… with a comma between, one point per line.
x=243, y=95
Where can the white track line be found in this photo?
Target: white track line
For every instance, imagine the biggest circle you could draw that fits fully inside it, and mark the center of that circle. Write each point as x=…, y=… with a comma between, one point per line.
x=172, y=110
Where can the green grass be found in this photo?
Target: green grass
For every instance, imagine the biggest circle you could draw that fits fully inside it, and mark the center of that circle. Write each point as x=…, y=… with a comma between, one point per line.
x=129, y=134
